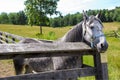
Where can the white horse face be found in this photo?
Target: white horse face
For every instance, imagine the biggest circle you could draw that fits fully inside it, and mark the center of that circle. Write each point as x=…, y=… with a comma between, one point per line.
x=92, y=31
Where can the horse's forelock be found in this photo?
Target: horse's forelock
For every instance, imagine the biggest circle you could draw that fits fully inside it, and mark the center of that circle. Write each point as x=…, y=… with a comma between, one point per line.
x=92, y=18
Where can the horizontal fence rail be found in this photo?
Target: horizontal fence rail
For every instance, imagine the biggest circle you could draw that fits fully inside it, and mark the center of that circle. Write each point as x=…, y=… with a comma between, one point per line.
x=56, y=75
x=9, y=51
x=9, y=38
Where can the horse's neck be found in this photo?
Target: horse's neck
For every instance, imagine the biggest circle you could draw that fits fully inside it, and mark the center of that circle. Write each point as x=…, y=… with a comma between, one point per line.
x=74, y=35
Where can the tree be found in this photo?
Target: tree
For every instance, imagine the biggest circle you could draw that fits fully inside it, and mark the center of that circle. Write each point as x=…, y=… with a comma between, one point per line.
x=37, y=11
x=79, y=17
x=103, y=18
x=4, y=18
x=12, y=18
x=21, y=18
x=107, y=16
x=116, y=16
x=67, y=20
x=18, y=18
x=111, y=13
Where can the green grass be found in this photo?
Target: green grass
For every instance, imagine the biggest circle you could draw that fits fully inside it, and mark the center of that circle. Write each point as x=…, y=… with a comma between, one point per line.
x=28, y=31
x=114, y=58
x=113, y=52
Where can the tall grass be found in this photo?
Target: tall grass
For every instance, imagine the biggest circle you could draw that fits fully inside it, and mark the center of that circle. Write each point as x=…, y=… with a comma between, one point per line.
x=113, y=52
x=114, y=58
x=33, y=32
x=50, y=36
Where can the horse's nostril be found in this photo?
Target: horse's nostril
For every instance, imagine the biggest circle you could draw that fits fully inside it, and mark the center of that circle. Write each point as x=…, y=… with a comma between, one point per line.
x=102, y=45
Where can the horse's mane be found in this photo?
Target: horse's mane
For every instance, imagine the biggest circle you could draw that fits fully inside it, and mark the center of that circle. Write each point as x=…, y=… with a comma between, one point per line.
x=74, y=35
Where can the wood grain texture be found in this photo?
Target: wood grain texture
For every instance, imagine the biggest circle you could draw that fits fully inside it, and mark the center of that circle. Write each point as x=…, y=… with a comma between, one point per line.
x=9, y=38
x=9, y=51
x=54, y=75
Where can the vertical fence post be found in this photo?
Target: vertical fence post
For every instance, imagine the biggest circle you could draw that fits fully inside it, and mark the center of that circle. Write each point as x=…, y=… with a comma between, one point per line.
x=104, y=66
x=100, y=61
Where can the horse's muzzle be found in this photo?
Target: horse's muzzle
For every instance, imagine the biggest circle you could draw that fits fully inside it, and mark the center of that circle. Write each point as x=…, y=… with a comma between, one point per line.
x=102, y=47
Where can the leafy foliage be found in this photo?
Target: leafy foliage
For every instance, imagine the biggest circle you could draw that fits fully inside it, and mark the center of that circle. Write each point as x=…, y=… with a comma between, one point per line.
x=37, y=11
x=72, y=19
x=13, y=18
x=4, y=18
x=41, y=18
x=21, y=18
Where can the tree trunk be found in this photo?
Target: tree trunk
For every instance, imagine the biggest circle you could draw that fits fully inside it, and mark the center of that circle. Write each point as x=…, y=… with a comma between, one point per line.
x=40, y=29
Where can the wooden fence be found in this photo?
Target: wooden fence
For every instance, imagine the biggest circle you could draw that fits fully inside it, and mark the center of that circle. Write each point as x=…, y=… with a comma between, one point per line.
x=99, y=70
x=113, y=34
x=9, y=38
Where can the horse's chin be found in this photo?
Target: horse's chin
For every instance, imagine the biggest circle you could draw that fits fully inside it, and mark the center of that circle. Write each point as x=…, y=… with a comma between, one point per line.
x=100, y=50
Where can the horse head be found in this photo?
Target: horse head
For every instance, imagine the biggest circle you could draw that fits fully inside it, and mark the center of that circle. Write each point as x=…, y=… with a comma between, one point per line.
x=93, y=32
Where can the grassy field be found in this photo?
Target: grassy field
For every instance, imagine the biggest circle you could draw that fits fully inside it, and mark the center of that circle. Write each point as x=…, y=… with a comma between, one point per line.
x=113, y=52
x=28, y=31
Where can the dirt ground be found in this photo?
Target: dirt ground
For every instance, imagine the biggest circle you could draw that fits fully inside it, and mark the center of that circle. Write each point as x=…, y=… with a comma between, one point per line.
x=6, y=68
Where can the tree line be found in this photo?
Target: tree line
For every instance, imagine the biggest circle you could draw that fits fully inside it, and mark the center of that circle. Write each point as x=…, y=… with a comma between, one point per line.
x=73, y=19
x=20, y=18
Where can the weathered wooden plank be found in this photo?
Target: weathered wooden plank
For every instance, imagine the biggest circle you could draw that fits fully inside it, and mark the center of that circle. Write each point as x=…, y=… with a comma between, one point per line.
x=97, y=63
x=6, y=39
x=8, y=51
x=43, y=54
x=12, y=35
x=2, y=42
x=104, y=66
x=1, y=37
x=54, y=75
x=9, y=40
x=101, y=68
x=48, y=41
x=43, y=47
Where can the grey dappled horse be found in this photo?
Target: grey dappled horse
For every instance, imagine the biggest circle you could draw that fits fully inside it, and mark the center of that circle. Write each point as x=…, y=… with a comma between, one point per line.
x=88, y=31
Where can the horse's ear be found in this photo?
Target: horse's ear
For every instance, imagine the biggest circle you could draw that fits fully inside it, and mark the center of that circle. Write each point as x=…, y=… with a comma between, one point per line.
x=98, y=15
x=85, y=16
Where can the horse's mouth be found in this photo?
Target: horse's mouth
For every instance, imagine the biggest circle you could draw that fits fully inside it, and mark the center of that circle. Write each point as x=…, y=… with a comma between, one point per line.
x=102, y=50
